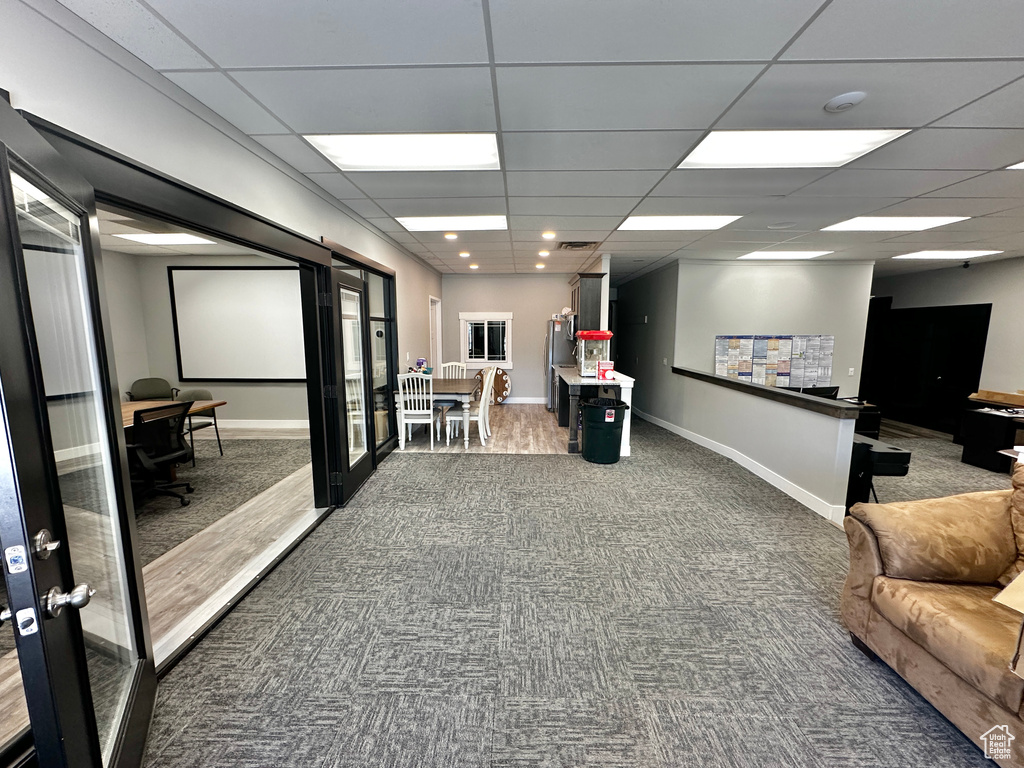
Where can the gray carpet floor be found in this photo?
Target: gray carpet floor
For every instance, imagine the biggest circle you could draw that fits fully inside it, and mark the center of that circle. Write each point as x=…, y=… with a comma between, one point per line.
x=513, y=611
x=935, y=471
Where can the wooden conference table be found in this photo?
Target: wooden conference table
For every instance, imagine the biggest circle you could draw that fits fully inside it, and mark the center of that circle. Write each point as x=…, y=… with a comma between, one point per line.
x=128, y=409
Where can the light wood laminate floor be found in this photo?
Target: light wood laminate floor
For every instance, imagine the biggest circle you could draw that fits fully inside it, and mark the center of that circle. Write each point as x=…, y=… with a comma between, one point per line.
x=515, y=427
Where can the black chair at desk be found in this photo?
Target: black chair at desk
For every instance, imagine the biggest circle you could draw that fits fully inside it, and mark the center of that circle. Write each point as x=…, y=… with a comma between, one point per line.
x=157, y=444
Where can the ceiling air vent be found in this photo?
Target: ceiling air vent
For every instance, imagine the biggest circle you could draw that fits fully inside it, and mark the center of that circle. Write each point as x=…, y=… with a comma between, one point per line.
x=577, y=245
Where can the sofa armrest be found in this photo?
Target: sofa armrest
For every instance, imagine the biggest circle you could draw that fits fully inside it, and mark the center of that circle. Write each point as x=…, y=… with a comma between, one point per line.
x=959, y=539
x=865, y=565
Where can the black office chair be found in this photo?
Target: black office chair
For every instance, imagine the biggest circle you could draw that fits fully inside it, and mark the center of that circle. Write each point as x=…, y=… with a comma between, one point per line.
x=158, y=443
x=202, y=419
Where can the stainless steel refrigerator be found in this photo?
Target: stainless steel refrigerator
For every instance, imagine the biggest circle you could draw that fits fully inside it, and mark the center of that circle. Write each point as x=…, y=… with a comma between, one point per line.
x=558, y=350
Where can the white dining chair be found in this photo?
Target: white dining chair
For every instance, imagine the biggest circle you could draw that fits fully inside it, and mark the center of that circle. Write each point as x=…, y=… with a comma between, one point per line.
x=448, y=371
x=478, y=411
x=415, y=405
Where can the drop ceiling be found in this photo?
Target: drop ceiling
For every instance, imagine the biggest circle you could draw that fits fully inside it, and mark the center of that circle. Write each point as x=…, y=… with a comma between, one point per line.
x=595, y=103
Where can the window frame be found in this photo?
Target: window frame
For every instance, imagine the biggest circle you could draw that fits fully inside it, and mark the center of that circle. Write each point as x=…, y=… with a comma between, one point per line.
x=465, y=318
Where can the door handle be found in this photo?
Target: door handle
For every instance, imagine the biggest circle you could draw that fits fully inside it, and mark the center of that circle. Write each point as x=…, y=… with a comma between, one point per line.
x=78, y=597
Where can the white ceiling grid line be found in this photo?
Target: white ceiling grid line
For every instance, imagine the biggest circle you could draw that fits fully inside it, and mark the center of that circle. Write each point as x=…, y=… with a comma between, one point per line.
x=595, y=102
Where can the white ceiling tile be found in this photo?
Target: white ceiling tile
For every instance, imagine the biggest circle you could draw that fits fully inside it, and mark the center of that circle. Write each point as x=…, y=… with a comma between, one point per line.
x=389, y=225
x=343, y=189
x=641, y=247
x=596, y=150
x=938, y=236
x=900, y=95
x=133, y=27
x=559, y=223
x=430, y=183
x=948, y=148
x=376, y=100
x=297, y=153
x=241, y=33
x=660, y=237
x=572, y=206
x=225, y=98
x=643, y=30
x=1016, y=211
x=444, y=206
x=746, y=182
x=582, y=183
x=858, y=183
x=1002, y=109
x=700, y=206
x=618, y=98
x=465, y=238
x=949, y=206
x=365, y=208
x=995, y=184
x=531, y=237
x=912, y=29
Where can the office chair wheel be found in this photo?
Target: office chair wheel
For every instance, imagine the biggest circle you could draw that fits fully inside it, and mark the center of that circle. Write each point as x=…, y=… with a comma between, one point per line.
x=189, y=489
x=186, y=502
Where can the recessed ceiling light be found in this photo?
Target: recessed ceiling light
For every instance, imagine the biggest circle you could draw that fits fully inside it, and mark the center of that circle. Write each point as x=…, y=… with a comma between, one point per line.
x=410, y=151
x=893, y=223
x=169, y=238
x=548, y=235
x=543, y=253
x=464, y=254
x=785, y=149
x=450, y=236
x=785, y=255
x=448, y=223
x=1017, y=167
x=679, y=223
x=942, y=255
x=474, y=266
x=540, y=266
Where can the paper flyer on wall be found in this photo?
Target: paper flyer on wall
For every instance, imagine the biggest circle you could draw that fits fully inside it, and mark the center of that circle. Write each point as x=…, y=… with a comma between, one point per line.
x=781, y=360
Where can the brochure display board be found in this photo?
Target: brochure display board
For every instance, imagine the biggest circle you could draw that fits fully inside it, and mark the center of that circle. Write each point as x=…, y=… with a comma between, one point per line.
x=776, y=360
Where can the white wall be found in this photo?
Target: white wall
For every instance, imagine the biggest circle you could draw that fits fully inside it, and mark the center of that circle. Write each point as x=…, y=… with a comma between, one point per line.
x=802, y=453
x=85, y=83
x=744, y=298
x=999, y=283
x=531, y=299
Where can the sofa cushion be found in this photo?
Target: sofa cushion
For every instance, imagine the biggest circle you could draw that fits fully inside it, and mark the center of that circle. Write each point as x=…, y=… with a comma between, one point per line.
x=960, y=626
x=966, y=538
x=1017, y=519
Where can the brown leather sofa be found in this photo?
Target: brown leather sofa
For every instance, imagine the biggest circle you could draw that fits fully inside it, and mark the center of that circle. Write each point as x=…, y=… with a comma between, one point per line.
x=919, y=596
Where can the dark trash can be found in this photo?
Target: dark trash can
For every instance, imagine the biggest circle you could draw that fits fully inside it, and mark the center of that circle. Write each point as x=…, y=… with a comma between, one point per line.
x=602, y=429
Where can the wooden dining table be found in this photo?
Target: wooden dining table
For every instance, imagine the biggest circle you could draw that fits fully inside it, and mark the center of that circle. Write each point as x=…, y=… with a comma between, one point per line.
x=128, y=409
x=457, y=389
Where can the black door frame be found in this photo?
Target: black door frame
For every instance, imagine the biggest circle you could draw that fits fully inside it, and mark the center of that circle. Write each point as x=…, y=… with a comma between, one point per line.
x=56, y=681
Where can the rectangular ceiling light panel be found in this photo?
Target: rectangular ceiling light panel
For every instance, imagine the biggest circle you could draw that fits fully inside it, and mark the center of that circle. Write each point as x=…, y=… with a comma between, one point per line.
x=410, y=151
x=785, y=255
x=676, y=223
x=893, y=223
x=785, y=149
x=169, y=238
x=452, y=223
x=1017, y=167
x=946, y=255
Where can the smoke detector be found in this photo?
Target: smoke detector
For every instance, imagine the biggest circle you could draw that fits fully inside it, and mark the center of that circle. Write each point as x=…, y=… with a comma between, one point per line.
x=845, y=101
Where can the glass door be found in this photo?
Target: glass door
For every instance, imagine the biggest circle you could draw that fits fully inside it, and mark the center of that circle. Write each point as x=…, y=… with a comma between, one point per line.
x=74, y=592
x=352, y=364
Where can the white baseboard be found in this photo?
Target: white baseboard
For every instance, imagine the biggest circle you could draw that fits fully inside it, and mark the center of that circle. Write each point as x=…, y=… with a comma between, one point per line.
x=264, y=423
x=834, y=513
x=76, y=452
x=529, y=400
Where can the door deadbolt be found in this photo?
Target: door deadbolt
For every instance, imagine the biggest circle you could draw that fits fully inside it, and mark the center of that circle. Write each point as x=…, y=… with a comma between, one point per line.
x=78, y=597
x=43, y=544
